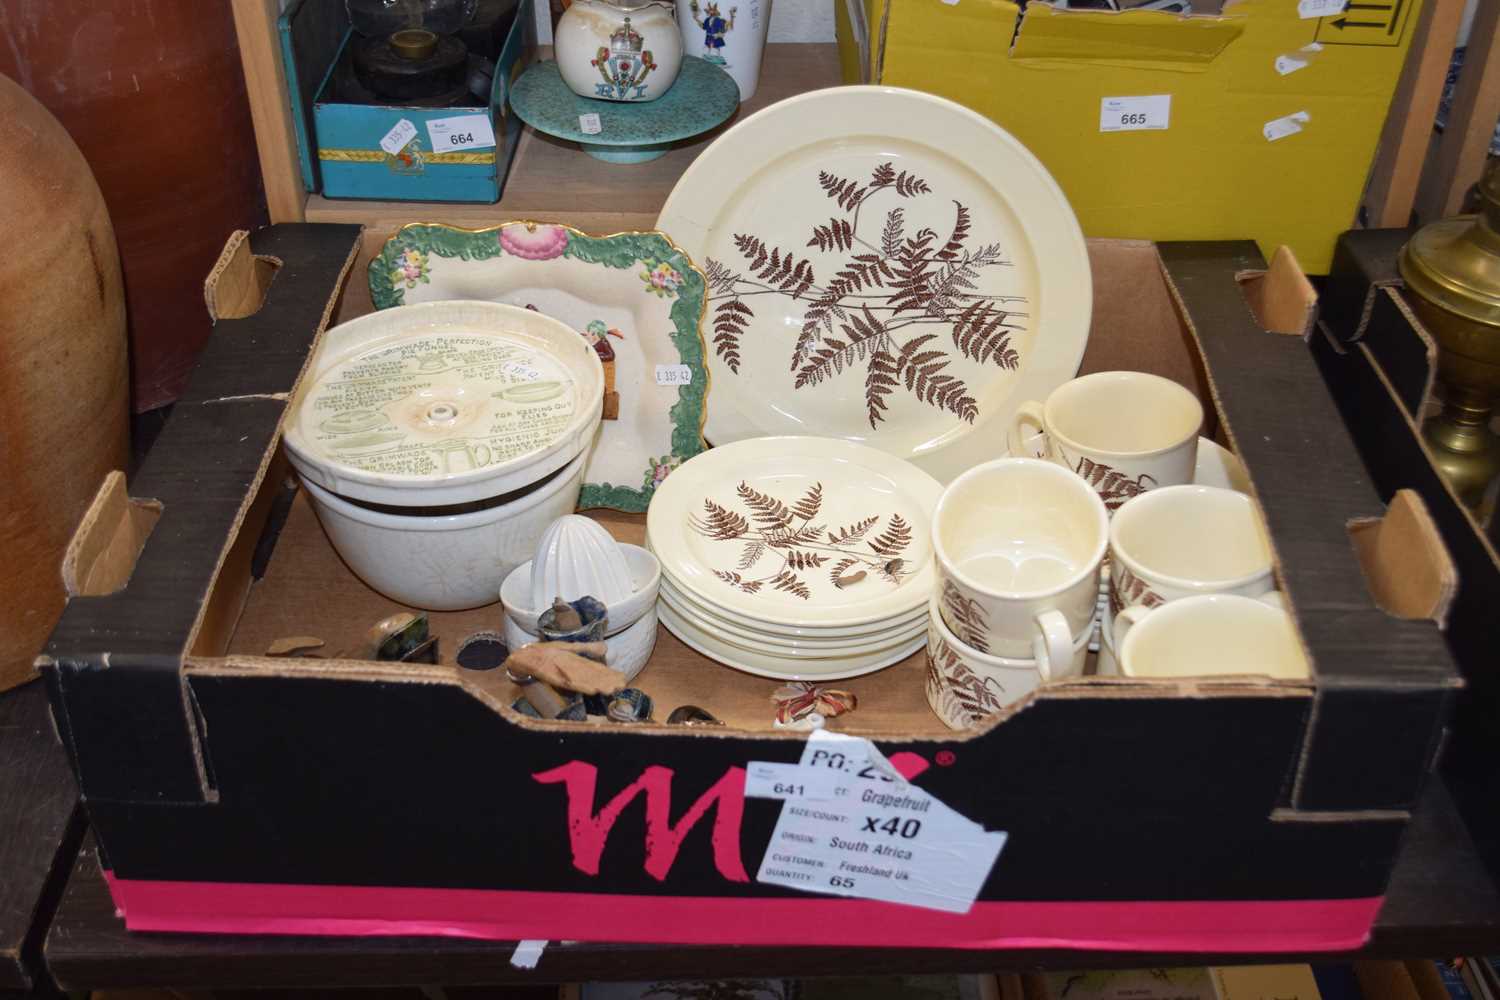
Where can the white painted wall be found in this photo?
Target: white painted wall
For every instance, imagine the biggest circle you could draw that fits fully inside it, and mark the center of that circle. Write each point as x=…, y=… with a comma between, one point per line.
x=791, y=21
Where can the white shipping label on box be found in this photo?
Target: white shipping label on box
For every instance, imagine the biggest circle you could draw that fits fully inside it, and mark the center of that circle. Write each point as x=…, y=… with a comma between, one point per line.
x=1152, y=112
x=770, y=780
x=1291, y=62
x=461, y=133
x=877, y=836
x=1307, y=9
x=1280, y=128
x=400, y=134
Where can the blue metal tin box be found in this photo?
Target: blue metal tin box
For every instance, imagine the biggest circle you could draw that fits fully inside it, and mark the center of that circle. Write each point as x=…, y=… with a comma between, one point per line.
x=340, y=143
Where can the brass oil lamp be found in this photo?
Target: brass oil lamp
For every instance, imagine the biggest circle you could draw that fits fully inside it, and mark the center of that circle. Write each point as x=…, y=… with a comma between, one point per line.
x=1452, y=272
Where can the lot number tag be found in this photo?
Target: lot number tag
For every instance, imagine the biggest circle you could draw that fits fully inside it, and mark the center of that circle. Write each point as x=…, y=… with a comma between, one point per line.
x=461, y=133
x=400, y=134
x=1135, y=114
x=850, y=825
x=674, y=375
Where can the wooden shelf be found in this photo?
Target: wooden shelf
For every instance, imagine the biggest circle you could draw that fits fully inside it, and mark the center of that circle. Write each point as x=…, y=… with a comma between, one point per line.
x=554, y=181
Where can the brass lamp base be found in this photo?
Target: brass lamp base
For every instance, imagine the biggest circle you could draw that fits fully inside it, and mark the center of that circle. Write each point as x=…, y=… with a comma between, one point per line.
x=1465, y=451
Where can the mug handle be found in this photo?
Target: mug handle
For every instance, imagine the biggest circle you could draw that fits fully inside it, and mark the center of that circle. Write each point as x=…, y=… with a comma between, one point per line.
x=1124, y=619
x=1052, y=646
x=1272, y=598
x=1028, y=413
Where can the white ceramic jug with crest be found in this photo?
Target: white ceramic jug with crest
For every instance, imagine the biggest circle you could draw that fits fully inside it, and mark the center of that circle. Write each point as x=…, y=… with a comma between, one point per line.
x=619, y=50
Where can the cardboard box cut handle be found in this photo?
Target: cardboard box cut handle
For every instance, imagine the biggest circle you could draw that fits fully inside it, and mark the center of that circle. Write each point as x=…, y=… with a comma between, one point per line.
x=1407, y=568
x=1281, y=297
x=239, y=281
x=103, y=551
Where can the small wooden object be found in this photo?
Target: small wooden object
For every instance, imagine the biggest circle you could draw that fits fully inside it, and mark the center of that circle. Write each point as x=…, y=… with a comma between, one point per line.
x=571, y=666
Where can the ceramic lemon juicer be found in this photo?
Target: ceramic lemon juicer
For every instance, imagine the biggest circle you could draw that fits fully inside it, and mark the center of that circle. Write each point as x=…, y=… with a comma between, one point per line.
x=619, y=50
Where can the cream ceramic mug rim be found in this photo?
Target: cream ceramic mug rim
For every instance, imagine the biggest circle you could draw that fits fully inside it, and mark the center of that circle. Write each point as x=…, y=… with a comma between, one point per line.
x=947, y=566
x=1139, y=614
x=1165, y=494
x=1041, y=414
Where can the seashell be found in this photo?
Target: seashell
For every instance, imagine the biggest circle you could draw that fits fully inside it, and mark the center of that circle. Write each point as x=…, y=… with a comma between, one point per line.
x=577, y=557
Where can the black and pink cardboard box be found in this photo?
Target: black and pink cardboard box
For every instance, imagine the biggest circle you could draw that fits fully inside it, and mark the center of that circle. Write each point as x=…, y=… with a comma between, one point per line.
x=1381, y=366
x=235, y=792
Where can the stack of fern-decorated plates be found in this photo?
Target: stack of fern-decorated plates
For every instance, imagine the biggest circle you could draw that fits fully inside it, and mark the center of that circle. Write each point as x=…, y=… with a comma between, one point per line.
x=796, y=557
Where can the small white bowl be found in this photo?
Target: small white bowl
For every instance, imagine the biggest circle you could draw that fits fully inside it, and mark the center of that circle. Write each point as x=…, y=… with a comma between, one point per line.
x=645, y=575
x=450, y=561
x=965, y=686
x=628, y=650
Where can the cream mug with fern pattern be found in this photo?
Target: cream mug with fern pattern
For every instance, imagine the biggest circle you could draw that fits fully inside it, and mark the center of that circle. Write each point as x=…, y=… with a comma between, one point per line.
x=1123, y=432
x=965, y=687
x=1017, y=544
x=1179, y=541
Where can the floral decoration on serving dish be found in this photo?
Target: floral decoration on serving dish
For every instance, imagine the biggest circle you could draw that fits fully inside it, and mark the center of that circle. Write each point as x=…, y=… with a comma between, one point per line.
x=635, y=297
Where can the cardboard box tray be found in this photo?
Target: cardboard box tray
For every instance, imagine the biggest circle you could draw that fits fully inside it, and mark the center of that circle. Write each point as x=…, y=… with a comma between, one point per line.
x=1380, y=365
x=236, y=793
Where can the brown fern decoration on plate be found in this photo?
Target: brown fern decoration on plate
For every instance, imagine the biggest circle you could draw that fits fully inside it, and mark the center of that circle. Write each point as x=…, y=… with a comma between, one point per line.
x=880, y=286
x=789, y=533
x=735, y=580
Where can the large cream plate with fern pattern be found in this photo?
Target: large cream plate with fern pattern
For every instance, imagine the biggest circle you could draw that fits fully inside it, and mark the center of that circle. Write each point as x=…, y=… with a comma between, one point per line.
x=884, y=266
x=793, y=532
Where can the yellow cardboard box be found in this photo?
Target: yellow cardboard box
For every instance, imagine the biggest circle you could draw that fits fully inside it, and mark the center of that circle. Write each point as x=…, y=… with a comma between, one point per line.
x=1322, y=84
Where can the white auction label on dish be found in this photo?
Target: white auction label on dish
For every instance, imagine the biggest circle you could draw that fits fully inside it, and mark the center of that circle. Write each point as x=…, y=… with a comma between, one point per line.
x=521, y=370
x=590, y=124
x=400, y=134
x=674, y=375
x=878, y=837
x=461, y=132
x=1135, y=114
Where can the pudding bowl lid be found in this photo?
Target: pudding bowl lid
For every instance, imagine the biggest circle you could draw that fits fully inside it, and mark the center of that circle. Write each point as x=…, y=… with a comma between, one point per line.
x=444, y=403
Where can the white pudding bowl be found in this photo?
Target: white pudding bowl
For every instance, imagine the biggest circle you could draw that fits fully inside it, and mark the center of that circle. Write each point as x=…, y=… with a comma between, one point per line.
x=445, y=562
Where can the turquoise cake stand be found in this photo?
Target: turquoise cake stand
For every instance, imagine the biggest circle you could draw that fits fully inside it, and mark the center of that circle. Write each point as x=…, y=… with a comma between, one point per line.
x=703, y=96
